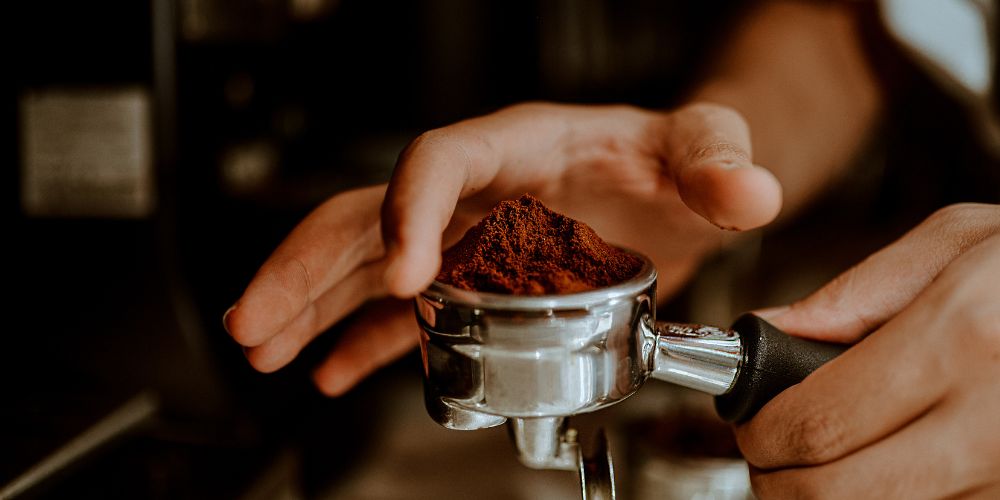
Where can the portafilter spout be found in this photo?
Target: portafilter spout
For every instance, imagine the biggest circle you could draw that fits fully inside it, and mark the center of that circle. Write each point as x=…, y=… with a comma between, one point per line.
x=744, y=367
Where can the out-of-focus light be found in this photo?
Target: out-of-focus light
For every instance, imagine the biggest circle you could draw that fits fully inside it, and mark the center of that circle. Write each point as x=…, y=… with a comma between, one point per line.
x=247, y=167
x=87, y=152
x=311, y=10
x=953, y=41
x=950, y=35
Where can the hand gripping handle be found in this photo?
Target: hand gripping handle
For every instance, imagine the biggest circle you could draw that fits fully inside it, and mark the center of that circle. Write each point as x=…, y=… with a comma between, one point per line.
x=772, y=362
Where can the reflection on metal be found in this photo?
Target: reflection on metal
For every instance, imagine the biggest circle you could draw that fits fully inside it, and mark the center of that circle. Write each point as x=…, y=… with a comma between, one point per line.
x=704, y=358
x=597, y=473
x=129, y=415
x=530, y=357
x=452, y=416
x=544, y=443
x=537, y=360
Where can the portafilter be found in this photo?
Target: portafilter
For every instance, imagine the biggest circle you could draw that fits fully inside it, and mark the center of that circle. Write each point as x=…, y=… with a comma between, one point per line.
x=534, y=361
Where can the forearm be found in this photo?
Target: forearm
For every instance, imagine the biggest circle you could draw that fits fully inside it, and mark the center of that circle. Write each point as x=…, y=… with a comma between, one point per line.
x=798, y=73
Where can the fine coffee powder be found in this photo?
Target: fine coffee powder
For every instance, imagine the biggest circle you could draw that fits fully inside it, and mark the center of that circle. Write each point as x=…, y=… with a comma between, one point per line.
x=523, y=248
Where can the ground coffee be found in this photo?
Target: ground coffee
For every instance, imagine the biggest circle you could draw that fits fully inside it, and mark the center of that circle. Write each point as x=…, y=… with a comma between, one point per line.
x=523, y=248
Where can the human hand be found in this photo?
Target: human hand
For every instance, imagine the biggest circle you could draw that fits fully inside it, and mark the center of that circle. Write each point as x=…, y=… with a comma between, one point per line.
x=659, y=183
x=911, y=411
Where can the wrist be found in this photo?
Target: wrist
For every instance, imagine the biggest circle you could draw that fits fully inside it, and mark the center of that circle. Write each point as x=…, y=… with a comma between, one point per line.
x=798, y=74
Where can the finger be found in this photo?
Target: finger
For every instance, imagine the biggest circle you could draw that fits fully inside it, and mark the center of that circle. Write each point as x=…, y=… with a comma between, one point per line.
x=867, y=295
x=384, y=332
x=927, y=459
x=986, y=492
x=325, y=247
x=442, y=166
x=868, y=392
x=429, y=178
x=332, y=306
x=708, y=156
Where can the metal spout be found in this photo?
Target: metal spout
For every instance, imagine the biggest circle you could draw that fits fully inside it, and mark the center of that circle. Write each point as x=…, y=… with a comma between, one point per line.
x=544, y=443
x=704, y=358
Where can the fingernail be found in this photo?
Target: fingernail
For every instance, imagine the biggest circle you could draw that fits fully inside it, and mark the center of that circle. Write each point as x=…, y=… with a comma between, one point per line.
x=225, y=318
x=770, y=313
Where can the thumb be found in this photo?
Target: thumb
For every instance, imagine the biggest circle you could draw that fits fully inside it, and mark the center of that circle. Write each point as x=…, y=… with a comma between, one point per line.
x=868, y=295
x=708, y=156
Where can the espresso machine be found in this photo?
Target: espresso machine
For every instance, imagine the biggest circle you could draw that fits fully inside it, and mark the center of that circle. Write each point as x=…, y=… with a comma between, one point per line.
x=534, y=361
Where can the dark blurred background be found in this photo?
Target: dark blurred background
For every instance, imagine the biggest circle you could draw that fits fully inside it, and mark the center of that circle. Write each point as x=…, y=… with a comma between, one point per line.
x=157, y=151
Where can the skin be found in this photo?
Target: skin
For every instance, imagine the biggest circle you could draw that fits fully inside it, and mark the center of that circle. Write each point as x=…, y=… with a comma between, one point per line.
x=667, y=182
x=685, y=172
x=909, y=412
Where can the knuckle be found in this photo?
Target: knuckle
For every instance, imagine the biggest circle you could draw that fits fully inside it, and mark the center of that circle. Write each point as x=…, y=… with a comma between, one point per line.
x=303, y=276
x=431, y=142
x=421, y=142
x=460, y=141
x=981, y=328
x=977, y=218
x=841, y=294
x=952, y=213
x=815, y=438
x=289, y=281
x=718, y=150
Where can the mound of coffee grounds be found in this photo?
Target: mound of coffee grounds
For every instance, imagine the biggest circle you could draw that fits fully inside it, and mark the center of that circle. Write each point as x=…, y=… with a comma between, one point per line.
x=523, y=248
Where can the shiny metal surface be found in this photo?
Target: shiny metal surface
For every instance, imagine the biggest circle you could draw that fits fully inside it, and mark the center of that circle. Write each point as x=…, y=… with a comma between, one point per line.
x=704, y=358
x=534, y=360
x=533, y=356
x=597, y=473
x=452, y=416
x=544, y=443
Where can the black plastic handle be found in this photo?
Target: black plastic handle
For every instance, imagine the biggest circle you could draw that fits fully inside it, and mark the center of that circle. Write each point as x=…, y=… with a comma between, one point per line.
x=772, y=362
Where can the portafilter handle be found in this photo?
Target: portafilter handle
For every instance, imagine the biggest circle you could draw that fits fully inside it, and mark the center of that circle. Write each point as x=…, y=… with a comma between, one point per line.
x=744, y=367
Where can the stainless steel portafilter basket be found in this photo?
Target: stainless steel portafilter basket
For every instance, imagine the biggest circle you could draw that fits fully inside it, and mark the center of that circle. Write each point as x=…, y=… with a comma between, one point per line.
x=533, y=361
